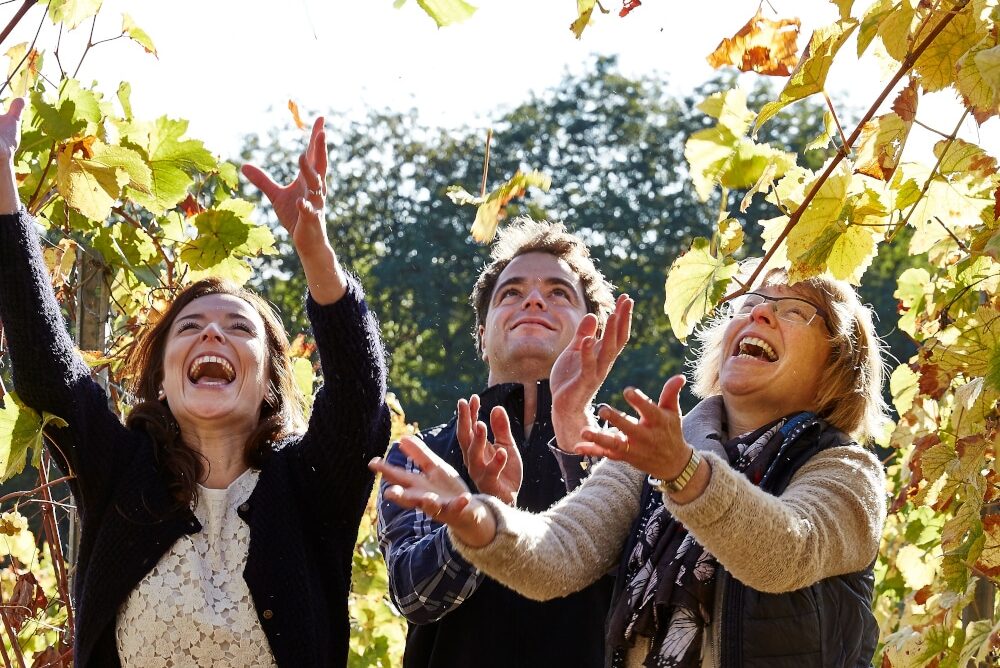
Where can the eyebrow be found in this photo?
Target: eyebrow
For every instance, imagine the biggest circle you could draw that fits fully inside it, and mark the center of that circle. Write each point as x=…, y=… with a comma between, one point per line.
x=521, y=280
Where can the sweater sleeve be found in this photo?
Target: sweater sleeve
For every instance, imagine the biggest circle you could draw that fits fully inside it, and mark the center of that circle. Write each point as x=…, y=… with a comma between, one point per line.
x=349, y=423
x=827, y=522
x=569, y=546
x=48, y=373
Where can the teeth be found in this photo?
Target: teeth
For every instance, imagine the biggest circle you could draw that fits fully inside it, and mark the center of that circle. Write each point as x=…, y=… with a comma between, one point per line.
x=211, y=359
x=763, y=345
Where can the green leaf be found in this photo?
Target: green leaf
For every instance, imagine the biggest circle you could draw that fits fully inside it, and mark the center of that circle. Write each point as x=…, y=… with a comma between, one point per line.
x=171, y=159
x=20, y=432
x=810, y=74
x=490, y=208
x=71, y=13
x=822, y=140
x=447, y=12
x=125, y=98
x=304, y=375
x=88, y=186
x=226, y=235
x=137, y=35
x=696, y=282
x=903, y=387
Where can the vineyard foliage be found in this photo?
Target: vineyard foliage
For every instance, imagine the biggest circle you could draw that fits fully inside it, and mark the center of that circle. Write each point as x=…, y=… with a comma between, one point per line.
x=157, y=210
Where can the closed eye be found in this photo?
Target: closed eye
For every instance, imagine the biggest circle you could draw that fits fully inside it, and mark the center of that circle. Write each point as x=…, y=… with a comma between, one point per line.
x=186, y=325
x=245, y=326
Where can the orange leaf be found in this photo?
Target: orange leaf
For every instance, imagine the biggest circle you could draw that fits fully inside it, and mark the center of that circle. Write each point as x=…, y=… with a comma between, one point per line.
x=762, y=45
x=905, y=104
x=628, y=6
x=300, y=347
x=294, y=108
x=190, y=206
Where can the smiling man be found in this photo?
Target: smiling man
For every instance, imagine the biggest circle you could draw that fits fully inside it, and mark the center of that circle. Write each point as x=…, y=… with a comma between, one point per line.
x=528, y=303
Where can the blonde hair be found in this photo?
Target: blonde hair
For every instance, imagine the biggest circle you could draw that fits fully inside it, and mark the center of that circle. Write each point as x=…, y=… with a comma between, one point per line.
x=850, y=394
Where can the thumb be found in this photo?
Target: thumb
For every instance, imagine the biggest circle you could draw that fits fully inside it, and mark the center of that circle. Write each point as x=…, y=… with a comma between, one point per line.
x=670, y=396
x=259, y=178
x=15, y=108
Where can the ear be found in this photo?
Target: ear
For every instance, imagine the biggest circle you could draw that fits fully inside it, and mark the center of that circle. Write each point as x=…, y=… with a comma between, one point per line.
x=479, y=342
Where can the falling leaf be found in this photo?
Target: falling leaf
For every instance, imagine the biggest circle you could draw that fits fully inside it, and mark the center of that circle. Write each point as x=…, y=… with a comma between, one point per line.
x=627, y=7
x=445, y=12
x=490, y=208
x=584, y=10
x=190, y=206
x=762, y=45
x=294, y=108
x=301, y=347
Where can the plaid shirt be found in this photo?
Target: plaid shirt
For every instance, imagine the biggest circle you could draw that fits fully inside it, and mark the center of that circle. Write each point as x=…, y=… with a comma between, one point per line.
x=428, y=578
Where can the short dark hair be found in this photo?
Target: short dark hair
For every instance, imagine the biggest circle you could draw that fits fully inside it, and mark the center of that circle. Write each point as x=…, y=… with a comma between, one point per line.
x=282, y=413
x=525, y=235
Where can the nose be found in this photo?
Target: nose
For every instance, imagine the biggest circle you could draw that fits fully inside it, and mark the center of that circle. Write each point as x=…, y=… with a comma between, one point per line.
x=212, y=332
x=764, y=314
x=534, y=298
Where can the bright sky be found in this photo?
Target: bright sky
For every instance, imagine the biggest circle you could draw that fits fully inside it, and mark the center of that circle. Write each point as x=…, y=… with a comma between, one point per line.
x=223, y=64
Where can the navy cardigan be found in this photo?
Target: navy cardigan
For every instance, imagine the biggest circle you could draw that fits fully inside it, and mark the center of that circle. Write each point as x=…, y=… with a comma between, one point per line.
x=303, y=514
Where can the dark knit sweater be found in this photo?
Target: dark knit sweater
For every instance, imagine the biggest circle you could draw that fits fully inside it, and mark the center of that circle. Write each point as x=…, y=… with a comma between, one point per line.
x=303, y=514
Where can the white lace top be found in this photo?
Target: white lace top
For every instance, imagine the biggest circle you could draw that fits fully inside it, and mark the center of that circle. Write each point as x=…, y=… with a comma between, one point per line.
x=194, y=607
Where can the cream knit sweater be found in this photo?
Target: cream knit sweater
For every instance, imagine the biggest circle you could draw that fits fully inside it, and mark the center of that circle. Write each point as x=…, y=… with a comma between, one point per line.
x=827, y=522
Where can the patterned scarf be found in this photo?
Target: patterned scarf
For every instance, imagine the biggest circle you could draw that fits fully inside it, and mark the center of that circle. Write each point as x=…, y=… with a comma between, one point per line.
x=670, y=578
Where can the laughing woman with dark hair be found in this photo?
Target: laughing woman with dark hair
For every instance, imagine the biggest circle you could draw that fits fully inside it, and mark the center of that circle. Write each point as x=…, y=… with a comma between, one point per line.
x=745, y=534
x=216, y=531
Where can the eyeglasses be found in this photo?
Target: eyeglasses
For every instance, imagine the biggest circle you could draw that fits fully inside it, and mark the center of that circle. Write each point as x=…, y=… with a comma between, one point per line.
x=790, y=309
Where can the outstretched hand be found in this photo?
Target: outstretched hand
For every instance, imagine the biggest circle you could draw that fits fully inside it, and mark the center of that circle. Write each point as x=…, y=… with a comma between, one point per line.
x=300, y=204
x=495, y=468
x=438, y=491
x=582, y=368
x=652, y=442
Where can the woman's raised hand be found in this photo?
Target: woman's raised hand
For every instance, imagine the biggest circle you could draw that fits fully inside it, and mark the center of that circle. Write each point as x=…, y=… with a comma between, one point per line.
x=652, y=442
x=438, y=491
x=495, y=468
x=300, y=207
x=582, y=368
x=10, y=137
x=299, y=204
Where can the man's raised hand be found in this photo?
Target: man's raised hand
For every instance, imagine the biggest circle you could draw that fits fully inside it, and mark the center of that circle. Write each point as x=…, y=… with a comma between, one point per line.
x=495, y=468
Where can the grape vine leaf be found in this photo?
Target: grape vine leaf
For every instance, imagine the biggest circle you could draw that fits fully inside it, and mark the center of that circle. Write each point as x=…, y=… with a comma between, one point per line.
x=226, y=236
x=883, y=138
x=71, y=13
x=810, y=74
x=20, y=432
x=170, y=157
x=490, y=209
x=25, y=68
x=978, y=80
x=762, y=45
x=936, y=65
x=695, y=284
x=138, y=35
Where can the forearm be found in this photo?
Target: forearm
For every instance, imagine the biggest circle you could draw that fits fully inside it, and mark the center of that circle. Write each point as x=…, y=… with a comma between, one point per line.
x=569, y=546
x=9, y=199
x=326, y=279
x=826, y=523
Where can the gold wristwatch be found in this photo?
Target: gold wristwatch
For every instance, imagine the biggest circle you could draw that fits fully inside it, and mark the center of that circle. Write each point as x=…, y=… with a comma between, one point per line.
x=680, y=482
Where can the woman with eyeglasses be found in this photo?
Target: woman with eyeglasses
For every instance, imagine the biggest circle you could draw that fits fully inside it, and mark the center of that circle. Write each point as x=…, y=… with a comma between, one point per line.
x=742, y=534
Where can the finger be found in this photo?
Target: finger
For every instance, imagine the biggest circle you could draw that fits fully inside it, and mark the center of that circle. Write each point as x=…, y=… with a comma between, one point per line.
x=617, y=418
x=610, y=439
x=591, y=449
x=670, y=395
x=500, y=422
x=395, y=475
x=313, y=182
x=15, y=108
x=625, y=321
x=463, y=425
x=261, y=180
x=495, y=466
x=587, y=327
x=648, y=410
x=416, y=450
x=319, y=148
x=478, y=446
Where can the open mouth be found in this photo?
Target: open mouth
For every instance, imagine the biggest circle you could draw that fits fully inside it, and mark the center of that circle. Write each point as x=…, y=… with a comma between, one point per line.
x=211, y=370
x=532, y=322
x=751, y=346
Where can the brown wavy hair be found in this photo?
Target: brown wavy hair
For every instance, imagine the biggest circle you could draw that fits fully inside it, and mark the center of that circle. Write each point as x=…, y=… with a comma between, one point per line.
x=524, y=235
x=281, y=413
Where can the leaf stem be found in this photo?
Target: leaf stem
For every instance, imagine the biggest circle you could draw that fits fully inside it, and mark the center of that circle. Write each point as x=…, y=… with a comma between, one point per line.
x=86, y=50
x=486, y=163
x=929, y=128
x=904, y=67
x=836, y=121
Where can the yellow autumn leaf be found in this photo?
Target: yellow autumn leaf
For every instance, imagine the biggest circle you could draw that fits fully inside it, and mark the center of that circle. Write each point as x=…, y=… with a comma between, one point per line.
x=697, y=280
x=729, y=236
x=896, y=26
x=936, y=65
x=883, y=138
x=978, y=80
x=810, y=75
x=916, y=567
